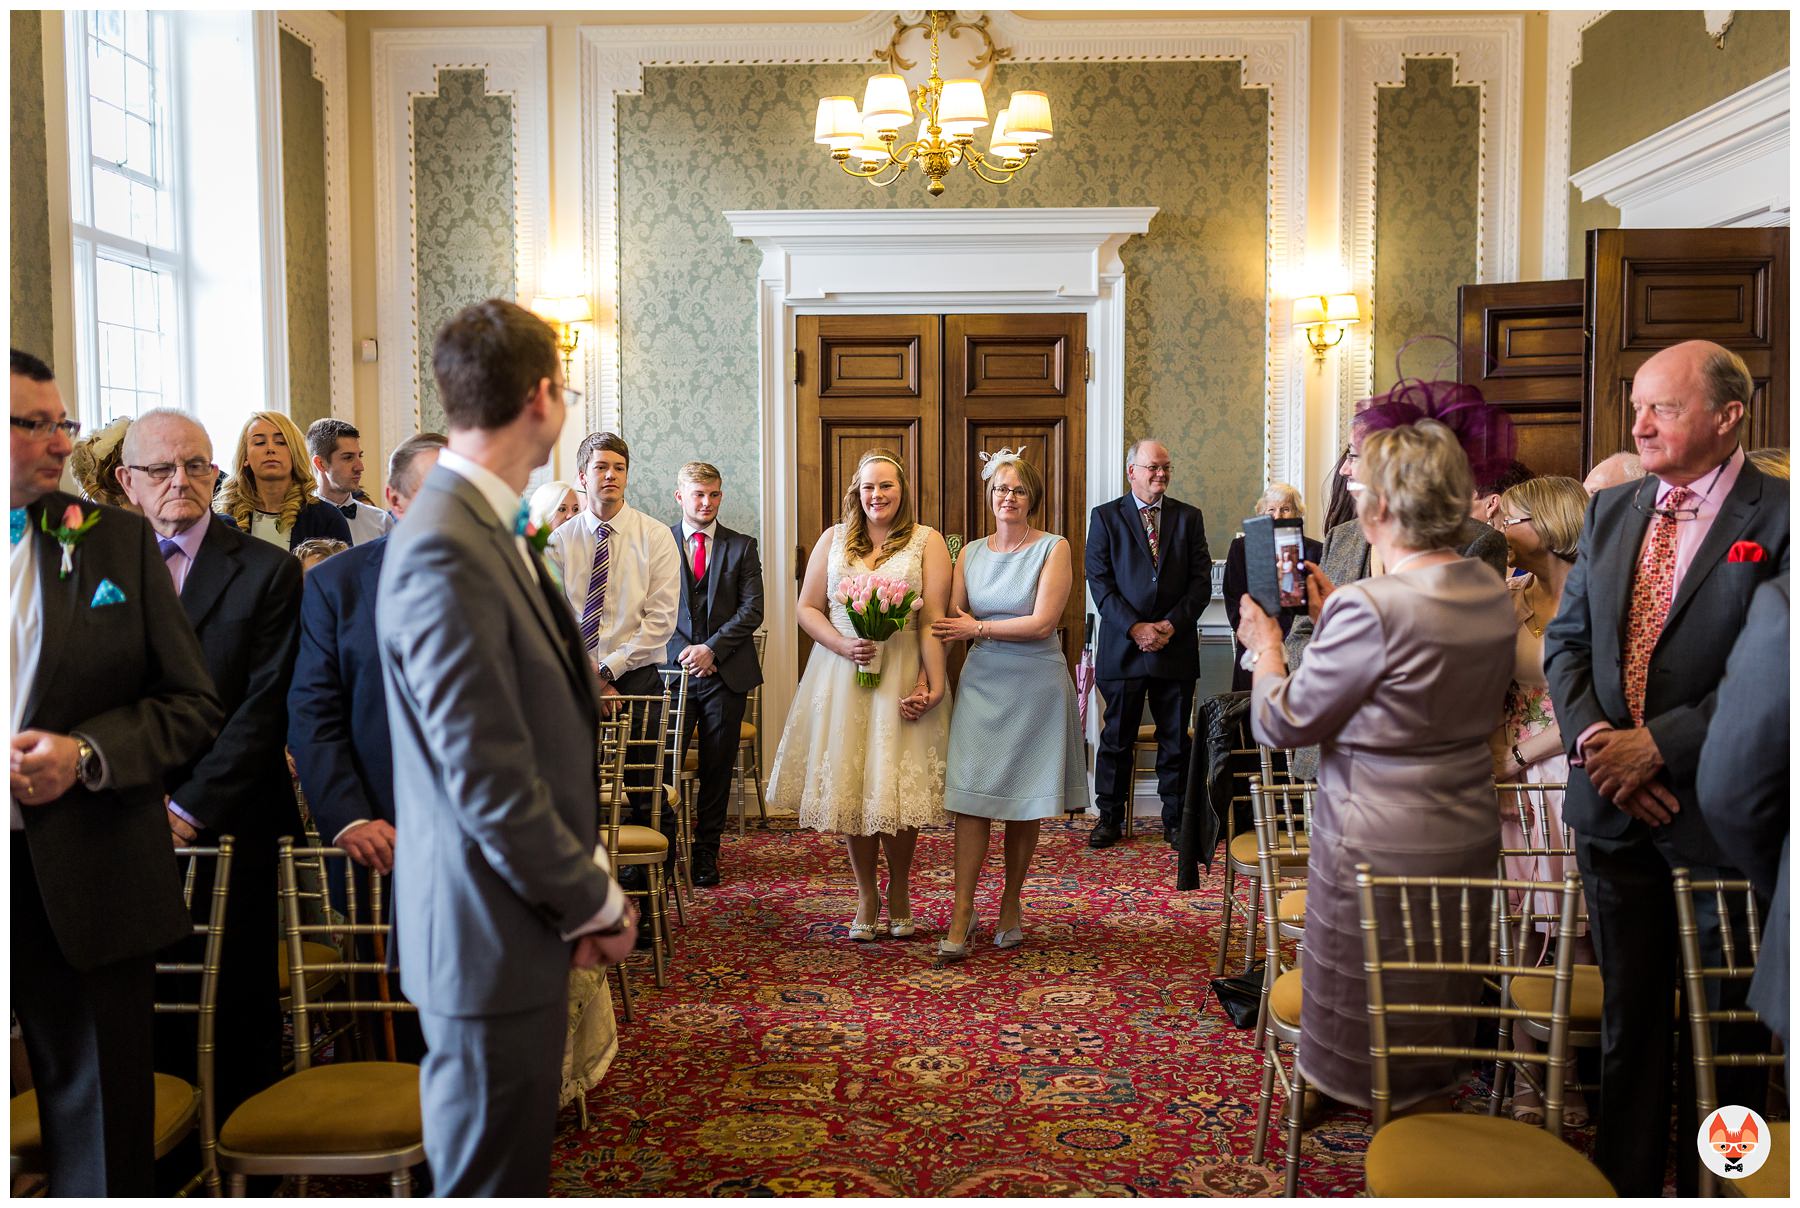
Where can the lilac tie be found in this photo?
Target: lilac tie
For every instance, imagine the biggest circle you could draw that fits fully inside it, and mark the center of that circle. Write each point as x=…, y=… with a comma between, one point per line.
x=596, y=593
x=168, y=549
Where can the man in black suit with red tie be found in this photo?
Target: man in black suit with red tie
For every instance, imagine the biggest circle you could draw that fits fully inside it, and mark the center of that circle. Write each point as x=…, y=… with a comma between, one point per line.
x=109, y=692
x=721, y=604
x=1151, y=576
x=1660, y=589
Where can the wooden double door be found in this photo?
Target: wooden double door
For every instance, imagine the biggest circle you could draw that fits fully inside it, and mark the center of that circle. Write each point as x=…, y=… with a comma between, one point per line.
x=939, y=390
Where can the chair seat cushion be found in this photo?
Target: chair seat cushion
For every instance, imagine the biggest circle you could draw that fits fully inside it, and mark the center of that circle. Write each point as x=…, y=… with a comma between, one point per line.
x=1243, y=849
x=1533, y=994
x=1771, y=1182
x=1292, y=907
x=1284, y=999
x=351, y=1107
x=641, y=840
x=316, y=954
x=746, y=732
x=1461, y=1154
x=691, y=761
x=177, y=1108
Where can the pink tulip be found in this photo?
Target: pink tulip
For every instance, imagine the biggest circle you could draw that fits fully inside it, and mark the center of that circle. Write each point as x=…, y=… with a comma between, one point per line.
x=72, y=516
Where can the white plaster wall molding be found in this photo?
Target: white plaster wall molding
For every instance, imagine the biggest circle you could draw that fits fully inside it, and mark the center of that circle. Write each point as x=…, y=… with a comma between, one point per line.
x=1726, y=165
x=1564, y=55
x=323, y=32
x=1273, y=55
x=403, y=66
x=922, y=262
x=1487, y=52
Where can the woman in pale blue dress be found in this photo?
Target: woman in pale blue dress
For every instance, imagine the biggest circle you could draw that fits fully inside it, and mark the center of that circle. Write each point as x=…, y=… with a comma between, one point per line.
x=1015, y=740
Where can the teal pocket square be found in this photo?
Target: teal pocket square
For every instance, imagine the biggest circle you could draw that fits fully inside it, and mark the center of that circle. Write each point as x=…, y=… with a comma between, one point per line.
x=107, y=593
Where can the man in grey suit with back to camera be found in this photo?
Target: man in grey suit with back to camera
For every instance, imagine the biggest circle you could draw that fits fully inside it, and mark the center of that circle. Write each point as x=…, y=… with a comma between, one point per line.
x=500, y=885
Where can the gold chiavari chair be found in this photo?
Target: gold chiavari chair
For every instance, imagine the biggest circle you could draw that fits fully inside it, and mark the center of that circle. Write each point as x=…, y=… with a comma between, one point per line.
x=636, y=752
x=315, y=906
x=1546, y=849
x=1740, y=940
x=1451, y=927
x=348, y=1117
x=675, y=684
x=181, y=1106
x=1240, y=850
x=611, y=764
x=749, y=752
x=1282, y=816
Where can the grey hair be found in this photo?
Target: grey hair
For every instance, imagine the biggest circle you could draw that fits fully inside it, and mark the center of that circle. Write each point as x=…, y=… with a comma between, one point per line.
x=1137, y=446
x=1285, y=491
x=133, y=434
x=1725, y=377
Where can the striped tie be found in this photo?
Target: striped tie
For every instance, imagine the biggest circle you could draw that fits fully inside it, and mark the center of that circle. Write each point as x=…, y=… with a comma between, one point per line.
x=596, y=594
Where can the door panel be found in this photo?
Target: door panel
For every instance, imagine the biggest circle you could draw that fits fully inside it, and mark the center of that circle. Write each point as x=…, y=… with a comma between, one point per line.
x=1648, y=289
x=1011, y=383
x=1521, y=345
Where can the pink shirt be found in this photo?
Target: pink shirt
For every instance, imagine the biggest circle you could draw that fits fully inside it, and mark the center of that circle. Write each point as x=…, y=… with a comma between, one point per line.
x=188, y=543
x=1689, y=534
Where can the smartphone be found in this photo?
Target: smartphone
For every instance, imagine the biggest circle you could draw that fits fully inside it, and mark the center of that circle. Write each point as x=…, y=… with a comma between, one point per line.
x=1275, y=564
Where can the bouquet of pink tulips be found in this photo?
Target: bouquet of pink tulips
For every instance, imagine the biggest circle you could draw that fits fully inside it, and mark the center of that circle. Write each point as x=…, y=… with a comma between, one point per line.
x=879, y=607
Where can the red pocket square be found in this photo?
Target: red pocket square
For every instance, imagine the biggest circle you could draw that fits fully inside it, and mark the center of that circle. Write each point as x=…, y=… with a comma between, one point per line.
x=1745, y=551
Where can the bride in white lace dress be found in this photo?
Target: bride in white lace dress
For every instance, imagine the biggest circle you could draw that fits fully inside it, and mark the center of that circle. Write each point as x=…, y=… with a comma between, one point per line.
x=869, y=762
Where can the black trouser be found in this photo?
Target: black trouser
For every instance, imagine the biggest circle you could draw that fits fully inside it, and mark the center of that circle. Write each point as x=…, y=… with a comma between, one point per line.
x=88, y=1036
x=1171, y=703
x=716, y=713
x=1632, y=899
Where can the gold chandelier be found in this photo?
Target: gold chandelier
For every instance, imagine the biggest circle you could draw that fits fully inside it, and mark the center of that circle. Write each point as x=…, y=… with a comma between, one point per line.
x=865, y=142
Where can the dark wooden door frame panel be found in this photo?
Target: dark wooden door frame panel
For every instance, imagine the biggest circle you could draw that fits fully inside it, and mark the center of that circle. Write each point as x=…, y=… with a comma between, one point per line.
x=1522, y=345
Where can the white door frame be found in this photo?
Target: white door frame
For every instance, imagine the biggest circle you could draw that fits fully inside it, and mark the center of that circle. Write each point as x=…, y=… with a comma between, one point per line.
x=916, y=261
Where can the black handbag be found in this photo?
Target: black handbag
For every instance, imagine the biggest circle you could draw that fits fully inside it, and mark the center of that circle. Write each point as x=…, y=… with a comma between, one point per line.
x=1239, y=996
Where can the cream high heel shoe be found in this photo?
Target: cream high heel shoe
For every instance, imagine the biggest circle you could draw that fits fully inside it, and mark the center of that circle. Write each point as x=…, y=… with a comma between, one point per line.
x=900, y=928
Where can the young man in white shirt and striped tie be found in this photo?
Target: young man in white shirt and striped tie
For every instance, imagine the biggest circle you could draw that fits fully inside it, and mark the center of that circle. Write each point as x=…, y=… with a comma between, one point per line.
x=621, y=571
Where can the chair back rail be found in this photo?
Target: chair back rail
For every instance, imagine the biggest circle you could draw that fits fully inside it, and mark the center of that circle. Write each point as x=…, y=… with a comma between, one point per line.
x=209, y=925
x=1457, y=932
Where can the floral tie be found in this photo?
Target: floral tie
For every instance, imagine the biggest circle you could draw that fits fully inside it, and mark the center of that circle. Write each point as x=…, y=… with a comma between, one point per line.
x=1150, y=517
x=1652, y=591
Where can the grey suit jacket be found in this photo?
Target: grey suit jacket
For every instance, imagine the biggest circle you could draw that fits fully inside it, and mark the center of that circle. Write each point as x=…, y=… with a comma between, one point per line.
x=1584, y=644
x=1742, y=781
x=494, y=712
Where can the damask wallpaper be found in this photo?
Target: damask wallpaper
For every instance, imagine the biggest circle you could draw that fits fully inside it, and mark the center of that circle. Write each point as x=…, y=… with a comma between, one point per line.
x=31, y=309
x=1641, y=71
x=463, y=196
x=702, y=140
x=303, y=221
x=1427, y=142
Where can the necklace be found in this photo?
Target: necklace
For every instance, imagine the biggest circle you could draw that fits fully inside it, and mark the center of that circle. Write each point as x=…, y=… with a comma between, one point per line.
x=1021, y=545
x=1395, y=568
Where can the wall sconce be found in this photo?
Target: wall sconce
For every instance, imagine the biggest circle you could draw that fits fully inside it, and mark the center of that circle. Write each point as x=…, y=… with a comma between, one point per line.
x=563, y=313
x=1325, y=318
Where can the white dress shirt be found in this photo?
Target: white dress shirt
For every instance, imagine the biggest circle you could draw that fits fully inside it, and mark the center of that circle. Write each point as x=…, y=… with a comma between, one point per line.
x=505, y=502
x=643, y=585
x=712, y=543
x=27, y=637
x=369, y=522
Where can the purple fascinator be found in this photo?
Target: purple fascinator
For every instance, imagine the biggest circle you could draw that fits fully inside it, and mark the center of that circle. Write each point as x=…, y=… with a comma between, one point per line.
x=1484, y=431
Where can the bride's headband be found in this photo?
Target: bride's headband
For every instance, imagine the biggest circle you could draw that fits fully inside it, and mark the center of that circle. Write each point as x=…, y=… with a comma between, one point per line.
x=993, y=461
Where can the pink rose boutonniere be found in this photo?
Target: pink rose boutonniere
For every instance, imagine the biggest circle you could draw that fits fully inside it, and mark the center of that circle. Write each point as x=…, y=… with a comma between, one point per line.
x=75, y=525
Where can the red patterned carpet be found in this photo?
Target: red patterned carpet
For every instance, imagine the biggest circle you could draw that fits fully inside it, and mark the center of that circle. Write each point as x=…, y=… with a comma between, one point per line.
x=784, y=1059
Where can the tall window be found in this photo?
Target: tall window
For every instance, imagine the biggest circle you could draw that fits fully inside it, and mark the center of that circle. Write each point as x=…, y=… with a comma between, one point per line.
x=128, y=264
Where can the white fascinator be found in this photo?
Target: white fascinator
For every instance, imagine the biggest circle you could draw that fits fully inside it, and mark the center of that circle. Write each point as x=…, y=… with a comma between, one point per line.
x=993, y=461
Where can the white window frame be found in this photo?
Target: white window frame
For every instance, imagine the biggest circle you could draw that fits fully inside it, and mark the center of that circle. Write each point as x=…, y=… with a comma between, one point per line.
x=89, y=242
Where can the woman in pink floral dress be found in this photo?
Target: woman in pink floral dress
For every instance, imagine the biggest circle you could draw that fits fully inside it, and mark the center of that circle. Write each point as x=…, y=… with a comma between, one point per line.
x=1542, y=522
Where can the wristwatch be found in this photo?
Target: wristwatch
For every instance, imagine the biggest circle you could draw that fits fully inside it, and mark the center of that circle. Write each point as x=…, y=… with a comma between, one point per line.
x=606, y=673
x=87, y=764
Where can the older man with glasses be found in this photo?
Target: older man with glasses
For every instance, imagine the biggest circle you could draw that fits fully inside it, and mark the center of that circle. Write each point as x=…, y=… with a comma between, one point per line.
x=242, y=600
x=109, y=693
x=1151, y=576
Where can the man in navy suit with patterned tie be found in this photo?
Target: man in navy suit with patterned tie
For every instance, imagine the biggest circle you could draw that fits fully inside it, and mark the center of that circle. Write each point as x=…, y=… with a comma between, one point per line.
x=1151, y=576
x=721, y=604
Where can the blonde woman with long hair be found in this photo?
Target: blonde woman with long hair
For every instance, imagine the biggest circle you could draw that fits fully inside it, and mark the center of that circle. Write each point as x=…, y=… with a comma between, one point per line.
x=869, y=762
x=271, y=493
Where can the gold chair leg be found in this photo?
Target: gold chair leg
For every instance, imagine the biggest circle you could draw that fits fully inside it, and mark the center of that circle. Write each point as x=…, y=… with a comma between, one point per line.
x=1229, y=909
x=737, y=791
x=756, y=780
x=1296, y=1110
x=400, y=1184
x=237, y=1186
x=1250, y=931
x=658, y=926
x=624, y=992
x=1260, y=1146
x=581, y=1108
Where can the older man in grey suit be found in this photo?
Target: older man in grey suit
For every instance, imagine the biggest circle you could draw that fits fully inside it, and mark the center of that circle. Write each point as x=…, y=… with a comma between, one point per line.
x=500, y=886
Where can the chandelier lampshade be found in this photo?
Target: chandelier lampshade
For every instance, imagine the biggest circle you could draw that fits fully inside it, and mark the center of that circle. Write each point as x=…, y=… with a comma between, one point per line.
x=867, y=141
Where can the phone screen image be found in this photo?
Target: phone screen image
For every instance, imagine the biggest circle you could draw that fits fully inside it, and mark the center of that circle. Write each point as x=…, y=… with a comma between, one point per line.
x=1290, y=573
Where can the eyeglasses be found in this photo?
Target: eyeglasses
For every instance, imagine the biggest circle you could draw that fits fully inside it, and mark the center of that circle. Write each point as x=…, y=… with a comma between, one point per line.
x=162, y=471
x=40, y=428
x=571, y=396
x=1155, y=467
x=1006, y=492
x=1677, y=514
x=1506, y=524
